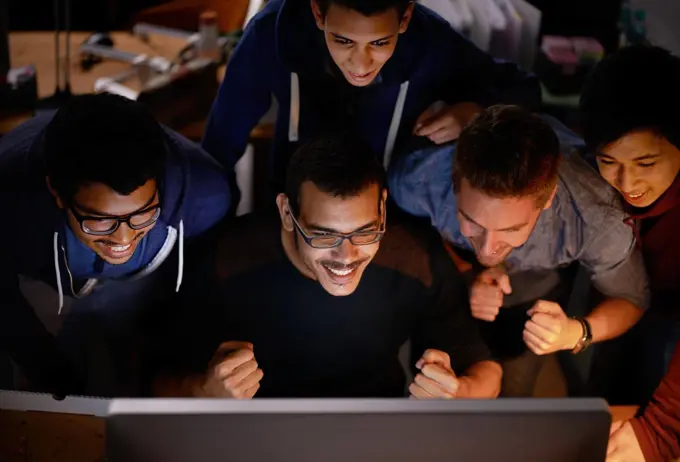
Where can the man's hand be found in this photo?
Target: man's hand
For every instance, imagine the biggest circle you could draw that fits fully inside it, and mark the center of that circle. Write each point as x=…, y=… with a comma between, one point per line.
x=232, y=373
x=445, y=124
x=436, y=378
x=623, y=444
x=486, y=293
x=550, y=330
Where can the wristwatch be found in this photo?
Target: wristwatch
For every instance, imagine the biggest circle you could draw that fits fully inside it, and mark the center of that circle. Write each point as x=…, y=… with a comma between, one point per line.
x=586, y=339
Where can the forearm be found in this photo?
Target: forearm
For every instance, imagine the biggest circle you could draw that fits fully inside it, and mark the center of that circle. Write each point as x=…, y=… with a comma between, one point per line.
x=611, y=318
x=481, y=380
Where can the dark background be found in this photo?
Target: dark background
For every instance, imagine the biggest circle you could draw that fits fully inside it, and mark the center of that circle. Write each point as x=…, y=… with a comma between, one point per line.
x=596, y=18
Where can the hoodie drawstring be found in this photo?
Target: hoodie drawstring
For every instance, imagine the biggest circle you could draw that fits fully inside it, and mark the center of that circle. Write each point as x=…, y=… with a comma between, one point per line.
x=180, y=269
x=57, y=272
x=394, y=125
x=294, y=119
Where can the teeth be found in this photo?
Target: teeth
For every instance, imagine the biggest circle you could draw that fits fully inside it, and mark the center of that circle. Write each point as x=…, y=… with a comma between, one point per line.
x=121, y=248
x=339, y=272
x=635, y=196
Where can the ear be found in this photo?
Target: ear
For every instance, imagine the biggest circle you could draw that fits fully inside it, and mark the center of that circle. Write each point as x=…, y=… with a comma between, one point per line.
x=549, y=202
x=406, y=18
x=284, y=212
x=318, y=17
x=60, y=203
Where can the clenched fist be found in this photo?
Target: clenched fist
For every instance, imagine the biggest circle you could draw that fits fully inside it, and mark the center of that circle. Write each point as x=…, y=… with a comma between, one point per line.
x=549, y=329
x=232, y=373
x=486, y=293
x=436, y=378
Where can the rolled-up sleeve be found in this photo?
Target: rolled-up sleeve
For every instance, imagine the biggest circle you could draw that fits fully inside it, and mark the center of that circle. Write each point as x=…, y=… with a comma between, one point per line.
x=616, y=265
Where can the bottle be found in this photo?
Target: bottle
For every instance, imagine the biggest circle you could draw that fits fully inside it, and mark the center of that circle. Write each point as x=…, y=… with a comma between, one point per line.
x=208, y=35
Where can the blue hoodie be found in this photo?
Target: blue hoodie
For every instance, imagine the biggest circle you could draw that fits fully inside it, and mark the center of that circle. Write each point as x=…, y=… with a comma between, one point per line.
x=38, y=243
x=283, y=54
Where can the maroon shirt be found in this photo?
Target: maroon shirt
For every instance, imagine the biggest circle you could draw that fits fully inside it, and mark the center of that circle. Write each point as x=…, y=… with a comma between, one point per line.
x=658, y=428
x=657, y=229
x=658, y=232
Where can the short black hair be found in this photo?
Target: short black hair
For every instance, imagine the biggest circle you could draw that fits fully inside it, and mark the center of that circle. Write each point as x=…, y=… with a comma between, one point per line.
x=366, y=7
x=104, y=139
x=507, y=151
x=636, y=88
x=337, y=164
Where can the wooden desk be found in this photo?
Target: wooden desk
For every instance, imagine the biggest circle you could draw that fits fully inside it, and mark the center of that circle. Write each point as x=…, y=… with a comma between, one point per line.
x=37, y=49
x=35, y=436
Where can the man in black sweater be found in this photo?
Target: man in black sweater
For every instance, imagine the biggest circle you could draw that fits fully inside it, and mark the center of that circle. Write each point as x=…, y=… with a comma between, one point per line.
x=318, y=301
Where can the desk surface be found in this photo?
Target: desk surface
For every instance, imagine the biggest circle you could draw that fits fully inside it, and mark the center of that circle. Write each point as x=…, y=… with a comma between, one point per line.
x=38, y=49
x=36, y=436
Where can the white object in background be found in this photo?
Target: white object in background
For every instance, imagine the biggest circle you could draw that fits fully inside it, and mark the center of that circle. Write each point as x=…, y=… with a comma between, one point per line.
x=254, y=7
x=447, y=9
x=531, y=25
x=108, y=85
x=466, y=16
x=507, y=44
x=245, y=179
x=488, y=20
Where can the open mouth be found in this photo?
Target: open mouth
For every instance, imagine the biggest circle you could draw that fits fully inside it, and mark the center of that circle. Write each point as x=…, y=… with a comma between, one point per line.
x=361, y=78
x=341, y=274
x=117, y=251
x=635, y=197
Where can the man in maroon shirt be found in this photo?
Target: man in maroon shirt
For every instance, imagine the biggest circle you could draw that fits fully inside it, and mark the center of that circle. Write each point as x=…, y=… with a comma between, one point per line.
x=629, y=114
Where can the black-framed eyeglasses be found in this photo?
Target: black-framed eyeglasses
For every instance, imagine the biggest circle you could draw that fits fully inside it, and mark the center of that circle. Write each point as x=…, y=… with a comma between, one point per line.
x=331, y=240
x=100, y=226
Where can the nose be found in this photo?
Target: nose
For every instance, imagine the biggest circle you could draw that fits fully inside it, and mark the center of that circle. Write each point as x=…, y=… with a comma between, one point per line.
x=625, y=180
x=362, y=61
x=490, y=244
x=124, y=234
x=344, y=251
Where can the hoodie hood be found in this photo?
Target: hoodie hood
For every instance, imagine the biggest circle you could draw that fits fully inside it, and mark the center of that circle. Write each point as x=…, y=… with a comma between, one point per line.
x=295, y=25
x=194, y=197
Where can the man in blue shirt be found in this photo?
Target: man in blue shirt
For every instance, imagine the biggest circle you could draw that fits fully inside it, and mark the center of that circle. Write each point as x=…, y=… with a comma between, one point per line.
x=375, y=68
x=97, y=199
x=516, y=204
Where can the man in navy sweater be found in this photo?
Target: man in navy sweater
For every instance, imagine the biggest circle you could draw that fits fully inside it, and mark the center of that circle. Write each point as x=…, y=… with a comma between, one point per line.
x=376, y=68
x=99, y=200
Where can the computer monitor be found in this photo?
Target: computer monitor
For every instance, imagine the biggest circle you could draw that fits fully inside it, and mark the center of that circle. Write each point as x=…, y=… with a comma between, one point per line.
x=261, y=430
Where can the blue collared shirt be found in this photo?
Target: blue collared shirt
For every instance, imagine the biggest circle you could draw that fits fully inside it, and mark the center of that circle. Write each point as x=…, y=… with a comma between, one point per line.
x=584, y=224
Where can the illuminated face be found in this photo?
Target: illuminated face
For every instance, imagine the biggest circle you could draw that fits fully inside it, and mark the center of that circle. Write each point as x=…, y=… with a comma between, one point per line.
x=641, y=165
x=495, y=226
x=338, y=269
x=360, y=45
x=95, y=207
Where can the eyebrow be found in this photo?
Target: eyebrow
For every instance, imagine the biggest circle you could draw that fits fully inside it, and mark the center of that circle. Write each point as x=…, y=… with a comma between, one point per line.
x=509, y=228
x=341, y=37
x=313, y=227
x=643, y=157
x=106, y=215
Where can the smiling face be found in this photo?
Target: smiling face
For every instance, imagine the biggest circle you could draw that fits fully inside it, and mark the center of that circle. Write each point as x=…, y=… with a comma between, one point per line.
x=360, y=45
x=495, y=226
x=641, y=165
x=338, y=269
x=101, y=202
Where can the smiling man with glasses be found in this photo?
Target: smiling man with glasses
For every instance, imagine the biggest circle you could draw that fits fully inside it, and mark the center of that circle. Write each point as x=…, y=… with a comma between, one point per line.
x=104, y=201
x=318, y=301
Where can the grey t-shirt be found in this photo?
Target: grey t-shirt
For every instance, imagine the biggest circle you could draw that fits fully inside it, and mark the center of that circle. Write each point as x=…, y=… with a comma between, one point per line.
x=584, y=224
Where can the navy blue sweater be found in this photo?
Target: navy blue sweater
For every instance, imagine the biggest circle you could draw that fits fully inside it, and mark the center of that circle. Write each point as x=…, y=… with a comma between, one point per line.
x=195, y=197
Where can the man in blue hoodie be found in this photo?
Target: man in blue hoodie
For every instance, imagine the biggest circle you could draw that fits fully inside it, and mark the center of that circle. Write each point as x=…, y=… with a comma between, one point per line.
x=97, y=199
x=379, y=68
